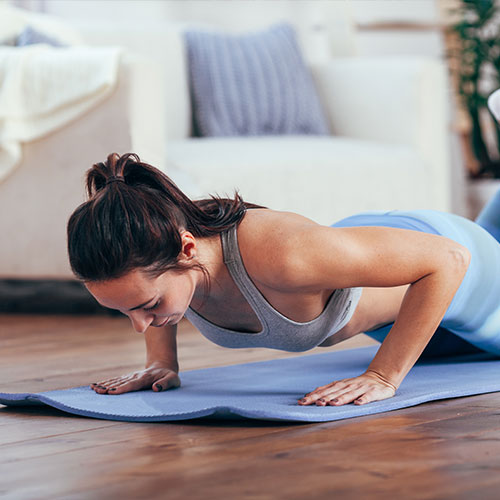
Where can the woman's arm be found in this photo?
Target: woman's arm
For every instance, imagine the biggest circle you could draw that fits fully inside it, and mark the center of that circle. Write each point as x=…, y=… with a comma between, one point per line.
x=161, y=347
x=434, y=267
x=422, y=310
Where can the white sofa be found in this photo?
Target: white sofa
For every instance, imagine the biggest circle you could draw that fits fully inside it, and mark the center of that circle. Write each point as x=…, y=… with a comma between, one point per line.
x=39, y=194
x=389, y=147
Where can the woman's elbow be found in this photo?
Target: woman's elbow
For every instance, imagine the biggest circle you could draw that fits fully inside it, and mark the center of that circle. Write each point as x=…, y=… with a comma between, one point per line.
x=459, y=258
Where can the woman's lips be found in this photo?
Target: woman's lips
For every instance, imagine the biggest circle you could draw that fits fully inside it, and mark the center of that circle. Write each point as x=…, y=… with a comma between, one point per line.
x=164, y=323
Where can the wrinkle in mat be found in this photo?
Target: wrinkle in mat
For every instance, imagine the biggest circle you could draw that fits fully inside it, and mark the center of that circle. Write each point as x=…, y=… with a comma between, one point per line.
x=269, y=390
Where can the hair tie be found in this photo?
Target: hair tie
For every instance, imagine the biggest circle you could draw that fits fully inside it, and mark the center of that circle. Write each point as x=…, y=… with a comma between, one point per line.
x=114, y=178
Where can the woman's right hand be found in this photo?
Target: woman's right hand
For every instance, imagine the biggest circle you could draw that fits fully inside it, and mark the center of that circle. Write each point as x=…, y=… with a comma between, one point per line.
x=156, y=377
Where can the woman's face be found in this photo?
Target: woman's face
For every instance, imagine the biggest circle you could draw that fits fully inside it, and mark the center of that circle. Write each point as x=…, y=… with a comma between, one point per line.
x=152, y=301
x=148, y=301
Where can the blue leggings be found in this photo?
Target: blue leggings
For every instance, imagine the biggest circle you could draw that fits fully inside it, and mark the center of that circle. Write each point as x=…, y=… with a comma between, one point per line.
x=472, y=321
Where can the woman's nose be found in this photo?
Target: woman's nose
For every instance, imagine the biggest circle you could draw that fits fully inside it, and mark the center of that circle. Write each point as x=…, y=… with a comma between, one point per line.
x=141, y=321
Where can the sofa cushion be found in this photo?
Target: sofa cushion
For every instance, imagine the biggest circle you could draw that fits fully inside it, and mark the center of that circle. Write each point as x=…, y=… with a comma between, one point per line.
x=324, y=178
x=252, y=84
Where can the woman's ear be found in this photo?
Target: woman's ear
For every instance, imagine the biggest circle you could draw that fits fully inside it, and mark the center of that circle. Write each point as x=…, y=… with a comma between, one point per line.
x=189, y=249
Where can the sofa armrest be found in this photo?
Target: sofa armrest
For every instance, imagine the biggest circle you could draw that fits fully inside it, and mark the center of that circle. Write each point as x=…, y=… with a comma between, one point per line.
x=393, y=100
x=383, y=99
x=41, y=193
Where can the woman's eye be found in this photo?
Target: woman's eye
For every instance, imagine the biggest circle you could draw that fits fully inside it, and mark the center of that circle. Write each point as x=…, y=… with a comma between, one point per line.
x=152, y=307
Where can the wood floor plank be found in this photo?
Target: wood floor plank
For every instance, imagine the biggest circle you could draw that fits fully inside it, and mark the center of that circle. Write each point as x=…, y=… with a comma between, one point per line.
x=439, y=450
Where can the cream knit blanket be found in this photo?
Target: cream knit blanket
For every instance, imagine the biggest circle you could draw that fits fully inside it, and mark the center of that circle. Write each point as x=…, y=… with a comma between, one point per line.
x=42, y=88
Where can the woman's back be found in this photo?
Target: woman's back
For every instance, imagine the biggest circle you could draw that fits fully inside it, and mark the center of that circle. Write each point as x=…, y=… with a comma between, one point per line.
x=255, y=307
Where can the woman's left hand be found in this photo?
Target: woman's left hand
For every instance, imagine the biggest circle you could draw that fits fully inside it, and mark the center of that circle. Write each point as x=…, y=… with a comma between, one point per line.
x=358, y=390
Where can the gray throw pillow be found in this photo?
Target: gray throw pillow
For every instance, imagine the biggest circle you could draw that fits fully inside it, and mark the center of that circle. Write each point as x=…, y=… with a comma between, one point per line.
x=252, y=84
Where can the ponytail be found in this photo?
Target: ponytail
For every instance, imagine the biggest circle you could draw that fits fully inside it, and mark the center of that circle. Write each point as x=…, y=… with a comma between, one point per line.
x=133, y=219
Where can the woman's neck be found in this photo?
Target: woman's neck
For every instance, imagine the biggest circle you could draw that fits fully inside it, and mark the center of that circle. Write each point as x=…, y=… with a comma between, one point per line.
x=210, y=256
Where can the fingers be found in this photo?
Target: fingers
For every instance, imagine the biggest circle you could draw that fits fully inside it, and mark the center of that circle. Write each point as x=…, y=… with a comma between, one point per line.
x=158, y=380
x=322, y=395
x=99, y=387
x=360, y=390
x=126, y=386
x=119, y=385
x=349, y=396
x=102, y=386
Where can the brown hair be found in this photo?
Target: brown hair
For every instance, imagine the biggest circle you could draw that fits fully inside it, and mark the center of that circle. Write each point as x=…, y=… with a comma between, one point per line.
x=133, y=218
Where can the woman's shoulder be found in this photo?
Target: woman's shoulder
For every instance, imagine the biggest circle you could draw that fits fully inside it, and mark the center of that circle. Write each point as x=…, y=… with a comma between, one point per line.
x=271, y=243
x=275, y=215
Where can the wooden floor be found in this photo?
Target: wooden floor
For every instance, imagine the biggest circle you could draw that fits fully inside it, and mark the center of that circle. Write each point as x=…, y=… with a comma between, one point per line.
x=439, y=450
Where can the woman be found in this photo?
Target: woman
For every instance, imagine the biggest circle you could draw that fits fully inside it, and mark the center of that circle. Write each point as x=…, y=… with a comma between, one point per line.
x=249, y=276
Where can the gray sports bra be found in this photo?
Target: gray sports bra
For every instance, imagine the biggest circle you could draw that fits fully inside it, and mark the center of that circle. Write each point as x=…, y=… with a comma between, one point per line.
x=278, y=332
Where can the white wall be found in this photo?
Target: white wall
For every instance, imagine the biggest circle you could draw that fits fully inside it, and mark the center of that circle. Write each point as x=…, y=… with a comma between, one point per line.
x=323, y=19
x=391, y=41
x=336, y=19
x=253, y=13
x=235, y=14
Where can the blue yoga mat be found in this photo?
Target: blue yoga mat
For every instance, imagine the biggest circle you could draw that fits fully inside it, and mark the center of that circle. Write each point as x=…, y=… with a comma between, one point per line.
x=269, y=390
